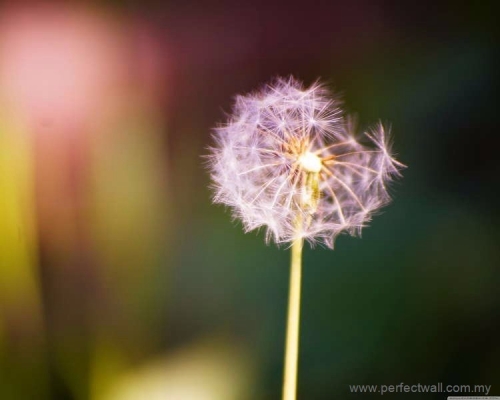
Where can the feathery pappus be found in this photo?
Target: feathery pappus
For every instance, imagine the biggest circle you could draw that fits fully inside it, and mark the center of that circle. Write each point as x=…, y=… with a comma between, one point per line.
x=289, y=160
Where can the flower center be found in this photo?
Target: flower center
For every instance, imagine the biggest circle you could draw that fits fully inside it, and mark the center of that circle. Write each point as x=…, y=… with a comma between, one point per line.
x=310, y=162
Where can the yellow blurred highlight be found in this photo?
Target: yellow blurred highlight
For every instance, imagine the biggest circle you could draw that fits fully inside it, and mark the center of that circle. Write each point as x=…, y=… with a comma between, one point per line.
x=21, y=321
x=208, y=370
x=108, y=361
x=129, y=195
x=129, y=222
x=19, y=286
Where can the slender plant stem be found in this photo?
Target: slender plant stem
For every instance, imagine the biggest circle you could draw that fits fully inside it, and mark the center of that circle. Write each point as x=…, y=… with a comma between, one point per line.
x=292, y=331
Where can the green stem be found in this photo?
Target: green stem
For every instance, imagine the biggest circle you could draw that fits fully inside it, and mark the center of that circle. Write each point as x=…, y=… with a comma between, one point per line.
x=292, y=331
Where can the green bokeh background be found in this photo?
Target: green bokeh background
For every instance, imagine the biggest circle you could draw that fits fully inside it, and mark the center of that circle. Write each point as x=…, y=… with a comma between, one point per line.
x=158, y=269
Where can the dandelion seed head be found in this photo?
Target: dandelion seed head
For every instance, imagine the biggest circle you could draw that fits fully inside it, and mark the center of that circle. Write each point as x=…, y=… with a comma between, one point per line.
x=288, y=160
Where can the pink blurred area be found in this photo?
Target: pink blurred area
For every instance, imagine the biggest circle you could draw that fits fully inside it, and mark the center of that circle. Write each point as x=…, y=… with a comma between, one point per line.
x=69, y=63
x=69, y=74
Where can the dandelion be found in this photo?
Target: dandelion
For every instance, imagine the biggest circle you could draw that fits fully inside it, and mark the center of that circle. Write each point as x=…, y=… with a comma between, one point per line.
x=290, y=161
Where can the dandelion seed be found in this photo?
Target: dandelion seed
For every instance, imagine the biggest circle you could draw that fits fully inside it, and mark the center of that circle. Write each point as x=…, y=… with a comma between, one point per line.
x=287, y=152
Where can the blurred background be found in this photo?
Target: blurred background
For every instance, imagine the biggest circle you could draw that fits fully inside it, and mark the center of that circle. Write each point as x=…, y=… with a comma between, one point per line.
x=119, y=279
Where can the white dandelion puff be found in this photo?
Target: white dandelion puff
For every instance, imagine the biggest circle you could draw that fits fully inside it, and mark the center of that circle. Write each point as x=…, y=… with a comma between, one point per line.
x=288, y=160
